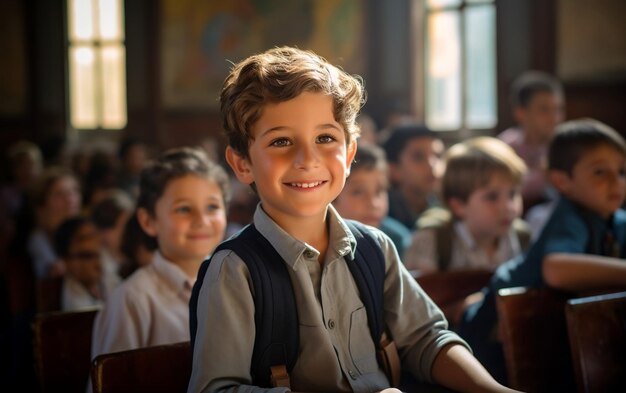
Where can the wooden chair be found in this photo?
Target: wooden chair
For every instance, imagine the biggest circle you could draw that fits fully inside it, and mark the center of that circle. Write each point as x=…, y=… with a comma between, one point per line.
x=62, y=345
x=49, y=293
x=448, y=289
x=534, y=339
x=597, y=334
x=163, y=368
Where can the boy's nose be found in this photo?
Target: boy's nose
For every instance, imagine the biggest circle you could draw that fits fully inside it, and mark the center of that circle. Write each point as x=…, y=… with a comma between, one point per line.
x=306, y=156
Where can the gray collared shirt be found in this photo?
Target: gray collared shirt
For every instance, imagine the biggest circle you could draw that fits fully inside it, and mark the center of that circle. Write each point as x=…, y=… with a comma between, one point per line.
x=336, y=348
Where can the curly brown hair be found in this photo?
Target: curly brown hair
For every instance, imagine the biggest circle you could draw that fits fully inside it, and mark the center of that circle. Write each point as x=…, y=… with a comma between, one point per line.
x=278, y=75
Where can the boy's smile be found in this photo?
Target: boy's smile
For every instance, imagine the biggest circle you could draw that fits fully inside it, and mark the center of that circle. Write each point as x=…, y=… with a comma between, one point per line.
x=299, y=158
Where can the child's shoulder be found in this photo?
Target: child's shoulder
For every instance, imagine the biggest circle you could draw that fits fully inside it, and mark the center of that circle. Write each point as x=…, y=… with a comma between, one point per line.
x=434, y=218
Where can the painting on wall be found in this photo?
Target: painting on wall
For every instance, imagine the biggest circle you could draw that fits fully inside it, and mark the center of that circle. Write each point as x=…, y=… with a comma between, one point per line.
x=201, y=40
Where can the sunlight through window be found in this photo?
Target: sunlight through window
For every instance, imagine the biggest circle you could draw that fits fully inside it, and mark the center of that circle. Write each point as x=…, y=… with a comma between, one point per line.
x=97, y=64
x=460, y=64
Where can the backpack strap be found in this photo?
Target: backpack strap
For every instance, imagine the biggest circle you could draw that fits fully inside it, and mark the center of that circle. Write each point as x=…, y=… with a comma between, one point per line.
x=368, y=270
x=439, y=220
x=522, y=230
x=275, y=312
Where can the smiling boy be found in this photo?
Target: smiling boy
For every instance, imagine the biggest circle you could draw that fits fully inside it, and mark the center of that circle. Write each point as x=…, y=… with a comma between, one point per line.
x=290, y=120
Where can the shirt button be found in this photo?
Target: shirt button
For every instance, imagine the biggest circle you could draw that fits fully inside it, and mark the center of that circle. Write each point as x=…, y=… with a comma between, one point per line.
x=331, y=323
x=308, y=254
x=352, y=374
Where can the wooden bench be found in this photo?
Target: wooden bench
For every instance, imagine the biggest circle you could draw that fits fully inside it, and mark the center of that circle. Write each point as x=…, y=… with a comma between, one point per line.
x=62, y=349
x=597, y=333
x=450, y=288
x=534, y=339
x=158, y=369
x=49, y=293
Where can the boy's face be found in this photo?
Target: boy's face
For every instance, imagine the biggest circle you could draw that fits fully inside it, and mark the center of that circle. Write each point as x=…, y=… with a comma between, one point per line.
x=364, y=198
x=597, y=180
x=491, y=209
x=83, y=261
x=299, y=159
x=189, y=219
x=419, y=165
x=543, y=113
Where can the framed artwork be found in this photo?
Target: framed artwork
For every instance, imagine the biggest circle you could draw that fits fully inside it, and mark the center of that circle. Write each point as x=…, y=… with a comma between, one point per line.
x=201, y=40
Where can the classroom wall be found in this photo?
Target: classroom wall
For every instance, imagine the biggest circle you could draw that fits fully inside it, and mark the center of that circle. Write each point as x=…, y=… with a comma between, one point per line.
x=535, y=34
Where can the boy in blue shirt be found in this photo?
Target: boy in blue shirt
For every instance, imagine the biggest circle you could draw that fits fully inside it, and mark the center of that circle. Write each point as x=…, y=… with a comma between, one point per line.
x=290, y=120
x=580, y=245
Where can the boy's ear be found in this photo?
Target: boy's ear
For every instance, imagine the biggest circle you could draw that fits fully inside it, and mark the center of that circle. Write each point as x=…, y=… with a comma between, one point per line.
x=457, y=207
x=560, y=180
x=350, y=153
x=147, y=222
x=241, y=166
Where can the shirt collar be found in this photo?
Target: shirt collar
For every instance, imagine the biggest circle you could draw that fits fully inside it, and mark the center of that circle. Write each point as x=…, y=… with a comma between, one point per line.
x=171, y=273
x=291, y=250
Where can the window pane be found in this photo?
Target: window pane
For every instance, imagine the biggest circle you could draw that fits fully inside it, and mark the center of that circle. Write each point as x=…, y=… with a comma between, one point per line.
x=110, y=21
x=80, y=19
x=481, y=66
x=443, y=71
x=113, y=87
x=83, y=113
x=443, y=3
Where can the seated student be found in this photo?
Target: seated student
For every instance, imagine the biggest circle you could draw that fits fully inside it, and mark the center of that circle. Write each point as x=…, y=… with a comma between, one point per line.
x=181, y=205
x=133, y=154
x=580, y=246
x=110, y=215
x=537, y=100
x=413, y=153
x=57, y=197
x=480, y=229
x=290, y=120
x=364, y=197
x=79, y=245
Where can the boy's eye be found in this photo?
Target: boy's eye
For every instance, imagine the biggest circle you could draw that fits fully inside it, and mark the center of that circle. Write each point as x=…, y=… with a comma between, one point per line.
x=182, y=209
x=325, y=139
x=599, y=172
x=491, y=196
x=213, y=207
x=280, y=142
x=418, y=157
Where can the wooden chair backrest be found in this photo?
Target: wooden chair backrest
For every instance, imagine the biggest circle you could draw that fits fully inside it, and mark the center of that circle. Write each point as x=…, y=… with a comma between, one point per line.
x=449, y=288
x=62, y=346
x=597, y=334
x=163, y=368
x=534, y=339
x=49, y=294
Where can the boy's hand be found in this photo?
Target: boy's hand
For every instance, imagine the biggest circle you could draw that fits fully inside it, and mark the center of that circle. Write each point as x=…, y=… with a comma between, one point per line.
x=390, y=390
